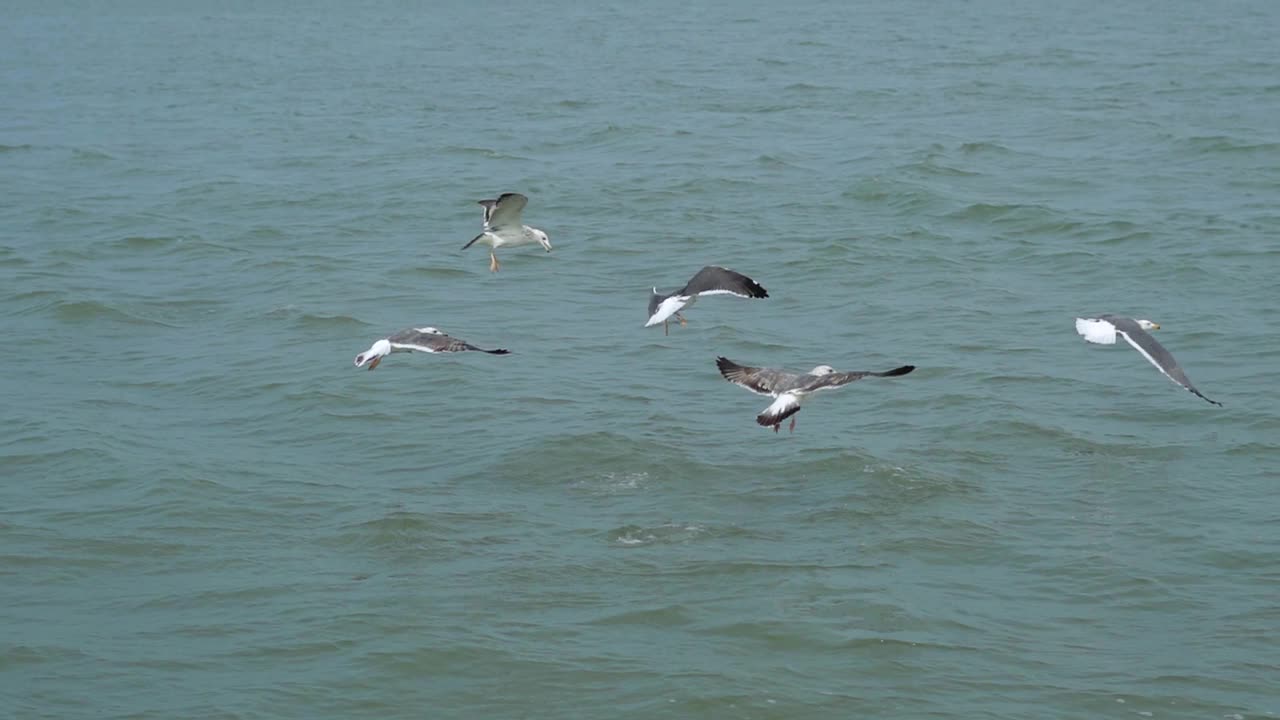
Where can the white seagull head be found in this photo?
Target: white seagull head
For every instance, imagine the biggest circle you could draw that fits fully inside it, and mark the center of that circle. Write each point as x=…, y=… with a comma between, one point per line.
x=1148, y=325
x=822, y=370
x=543, y=240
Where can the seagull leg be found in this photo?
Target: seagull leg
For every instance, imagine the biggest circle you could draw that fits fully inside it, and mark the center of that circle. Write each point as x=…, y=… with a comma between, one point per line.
x=793, y=423
x=775, y=428
x=666, y=328
x=375, y=362
x=493, y=262
x=683, y=322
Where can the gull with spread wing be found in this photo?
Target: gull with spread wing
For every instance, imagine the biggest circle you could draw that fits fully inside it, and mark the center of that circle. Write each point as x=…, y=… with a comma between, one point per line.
x=423, y=339
x=1103, y=330
x=710, y=280
x=789, y=389
x=503, y=227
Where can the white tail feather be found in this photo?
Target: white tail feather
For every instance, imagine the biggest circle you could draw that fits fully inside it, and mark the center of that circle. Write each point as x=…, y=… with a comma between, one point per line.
x=1096, y=331
x=786, y=404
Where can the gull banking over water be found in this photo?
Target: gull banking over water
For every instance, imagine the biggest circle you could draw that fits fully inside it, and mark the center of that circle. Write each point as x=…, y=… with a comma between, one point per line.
x=1104, y=329
x=503, y=227
x=710, y=280
x=423, y=339
x=790, y=388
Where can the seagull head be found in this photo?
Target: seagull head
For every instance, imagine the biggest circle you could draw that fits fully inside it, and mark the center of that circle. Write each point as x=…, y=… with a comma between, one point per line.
x=822, y=370
x=379, y=349
x=543, y=240
x=1148, y=325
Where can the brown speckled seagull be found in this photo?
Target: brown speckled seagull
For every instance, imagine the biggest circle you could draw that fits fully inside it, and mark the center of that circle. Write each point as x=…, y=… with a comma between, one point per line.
x=423, y=339
x=790, y=388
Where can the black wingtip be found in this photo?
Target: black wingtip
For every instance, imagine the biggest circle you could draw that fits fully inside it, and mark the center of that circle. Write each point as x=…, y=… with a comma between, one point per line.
x=898, y=371
x=725, y=364
x=473, y=241
x=499, y=351
x=1198, y=394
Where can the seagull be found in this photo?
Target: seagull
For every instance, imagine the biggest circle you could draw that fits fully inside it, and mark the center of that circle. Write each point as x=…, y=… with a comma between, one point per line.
x=423, y=339
x=790, y=388
x=502, y=226
x=1104, y=328
x=710, y=280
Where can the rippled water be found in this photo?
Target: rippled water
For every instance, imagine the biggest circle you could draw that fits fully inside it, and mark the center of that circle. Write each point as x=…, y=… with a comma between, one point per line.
x=206, y=511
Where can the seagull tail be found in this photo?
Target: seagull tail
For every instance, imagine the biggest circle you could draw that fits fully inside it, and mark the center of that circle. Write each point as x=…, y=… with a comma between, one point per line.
x=784, y=407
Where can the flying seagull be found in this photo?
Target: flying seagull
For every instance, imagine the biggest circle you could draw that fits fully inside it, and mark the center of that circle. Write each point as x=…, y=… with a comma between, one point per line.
x=502, y=227
x=790, y=388
x=1104, y=328
x=423, y=339
x=710, y=280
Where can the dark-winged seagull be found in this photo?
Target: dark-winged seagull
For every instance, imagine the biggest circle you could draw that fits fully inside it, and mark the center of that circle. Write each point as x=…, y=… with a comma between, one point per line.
x=1104, y=328
x=790, y=388
x=710, y=280
x=503, y=228
x=423, y=339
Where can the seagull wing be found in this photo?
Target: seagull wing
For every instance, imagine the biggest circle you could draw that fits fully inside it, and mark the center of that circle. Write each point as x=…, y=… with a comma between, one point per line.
x=427, y=340
x=1155, y=353
x=424, y=340
x=506, y=210
x=840, y=379
x=716, y=280
x=765, y=381
x=488, y=206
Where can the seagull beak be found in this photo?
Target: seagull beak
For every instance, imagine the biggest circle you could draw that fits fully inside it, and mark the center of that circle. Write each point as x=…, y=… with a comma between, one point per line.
x=1155, y=326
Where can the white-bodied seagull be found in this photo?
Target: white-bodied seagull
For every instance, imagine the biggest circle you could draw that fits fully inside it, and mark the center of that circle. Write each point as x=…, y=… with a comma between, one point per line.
x=503, y=227
x=710, y=280
x=790, y=388
x=423, y=339
x=1104, y=328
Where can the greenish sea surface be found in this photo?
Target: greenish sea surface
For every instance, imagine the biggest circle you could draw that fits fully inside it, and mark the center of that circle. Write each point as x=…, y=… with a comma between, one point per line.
x=207, y=210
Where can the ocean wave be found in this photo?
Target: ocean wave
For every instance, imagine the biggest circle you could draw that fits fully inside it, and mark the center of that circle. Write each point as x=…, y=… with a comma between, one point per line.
x=92, y=311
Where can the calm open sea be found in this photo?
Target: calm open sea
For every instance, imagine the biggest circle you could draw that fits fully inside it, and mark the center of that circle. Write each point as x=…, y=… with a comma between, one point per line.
x=209, y=208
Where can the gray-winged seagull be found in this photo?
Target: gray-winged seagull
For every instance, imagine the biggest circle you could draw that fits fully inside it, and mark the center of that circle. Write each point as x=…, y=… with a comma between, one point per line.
x=423, y=339
x=710, y=280
x=503, y=227
x=1104, y=328
x=790, y=388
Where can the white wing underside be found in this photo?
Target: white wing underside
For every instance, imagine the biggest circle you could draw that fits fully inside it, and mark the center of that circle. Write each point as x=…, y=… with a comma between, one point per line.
x=410, y=347
x=1100, y=332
